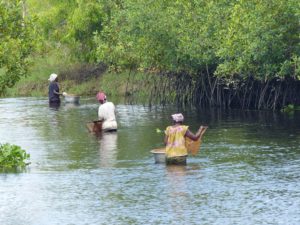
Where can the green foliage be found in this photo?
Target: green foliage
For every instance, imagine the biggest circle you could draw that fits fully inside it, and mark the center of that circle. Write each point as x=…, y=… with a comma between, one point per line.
x=248, y=38
x=16, y=43
x=12, y=156
x=290, y=108
x=51, y=17
x=226, y=38
x=71, y=23
x=86, y=19
x=261, y=40
x=225, y=41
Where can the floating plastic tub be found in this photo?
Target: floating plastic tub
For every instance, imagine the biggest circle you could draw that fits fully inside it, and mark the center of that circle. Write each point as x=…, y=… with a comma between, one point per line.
x=72, y=98
x=159, y=155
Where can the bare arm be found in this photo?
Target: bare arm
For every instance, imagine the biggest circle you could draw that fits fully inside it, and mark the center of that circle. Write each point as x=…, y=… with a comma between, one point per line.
x=55, y=92
x=193, y=136
x=198, y=135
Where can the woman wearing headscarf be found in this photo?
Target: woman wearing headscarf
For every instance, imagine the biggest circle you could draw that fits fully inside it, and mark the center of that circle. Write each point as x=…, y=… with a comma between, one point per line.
x=53, y=92
x=176, y=151
x=106, y=113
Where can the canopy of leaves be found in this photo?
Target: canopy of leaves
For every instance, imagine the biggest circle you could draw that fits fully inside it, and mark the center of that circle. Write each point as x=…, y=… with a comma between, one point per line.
x=226, y=38
x=261, y=40
x=71, y=22
x=16, y=43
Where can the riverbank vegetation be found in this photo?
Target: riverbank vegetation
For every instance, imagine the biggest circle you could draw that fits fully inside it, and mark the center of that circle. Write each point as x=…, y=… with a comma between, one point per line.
x=243, y=54
x=12, y=157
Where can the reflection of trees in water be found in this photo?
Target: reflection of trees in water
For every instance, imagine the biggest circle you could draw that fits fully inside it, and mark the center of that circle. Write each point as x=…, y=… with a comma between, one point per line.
x=108, y=149
x=266, y=119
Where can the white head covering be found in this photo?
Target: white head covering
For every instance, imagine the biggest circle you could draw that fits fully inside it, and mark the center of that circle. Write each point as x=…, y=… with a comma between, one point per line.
x=178, y=117
x=52, y=77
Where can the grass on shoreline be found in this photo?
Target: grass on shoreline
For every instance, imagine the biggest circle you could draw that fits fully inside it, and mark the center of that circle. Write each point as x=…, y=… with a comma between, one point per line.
x=113, y=84
x=81, y=79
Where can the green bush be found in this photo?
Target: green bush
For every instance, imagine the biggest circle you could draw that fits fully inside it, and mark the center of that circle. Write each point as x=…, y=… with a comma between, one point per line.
x=12, y=156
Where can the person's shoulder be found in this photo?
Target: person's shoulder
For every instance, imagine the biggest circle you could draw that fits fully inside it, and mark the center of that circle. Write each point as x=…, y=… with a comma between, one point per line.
x=53, y=84
x=167, y=130
x=110, y=103
x=185, y=127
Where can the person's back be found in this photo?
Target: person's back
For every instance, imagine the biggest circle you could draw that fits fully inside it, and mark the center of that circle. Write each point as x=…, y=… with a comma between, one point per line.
x=176, y=150
x=106, y=113
x=53, y=97
x=175, y=145
x=53, y=92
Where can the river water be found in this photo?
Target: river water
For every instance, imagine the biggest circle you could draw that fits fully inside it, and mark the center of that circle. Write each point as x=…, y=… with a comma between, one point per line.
x=247, y=171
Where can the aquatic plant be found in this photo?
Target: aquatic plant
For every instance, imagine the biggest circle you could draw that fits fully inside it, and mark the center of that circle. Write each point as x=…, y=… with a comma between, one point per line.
x=290, y=108
x=12, y=156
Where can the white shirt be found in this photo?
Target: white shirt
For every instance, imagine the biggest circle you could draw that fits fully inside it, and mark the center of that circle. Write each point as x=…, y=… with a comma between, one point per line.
x=106, y=113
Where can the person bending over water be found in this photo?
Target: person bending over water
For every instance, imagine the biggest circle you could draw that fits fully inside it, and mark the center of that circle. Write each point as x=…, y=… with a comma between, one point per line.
x=106, y=113
x=176, y=151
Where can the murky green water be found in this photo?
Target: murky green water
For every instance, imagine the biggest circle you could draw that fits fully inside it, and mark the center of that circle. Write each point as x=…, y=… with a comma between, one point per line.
x=248, y=170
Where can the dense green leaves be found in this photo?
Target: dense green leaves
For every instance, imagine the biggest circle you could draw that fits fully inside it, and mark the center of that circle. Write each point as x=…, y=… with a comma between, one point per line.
x=246, y=38
x=12, y=156
x=72, y=23
x=224, y=38
x=262, y=40
x=16, y=42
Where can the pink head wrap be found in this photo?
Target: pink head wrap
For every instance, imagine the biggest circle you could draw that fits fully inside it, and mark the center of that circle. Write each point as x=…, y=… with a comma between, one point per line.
x=178, y=117
x=101, y=96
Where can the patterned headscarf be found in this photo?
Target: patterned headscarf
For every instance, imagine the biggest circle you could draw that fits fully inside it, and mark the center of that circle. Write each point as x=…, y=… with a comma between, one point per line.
x=178, y=117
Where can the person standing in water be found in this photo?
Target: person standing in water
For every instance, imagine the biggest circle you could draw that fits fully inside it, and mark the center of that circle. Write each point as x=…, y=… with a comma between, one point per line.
x=176, y=151
x=53, y=93
x=106, y=113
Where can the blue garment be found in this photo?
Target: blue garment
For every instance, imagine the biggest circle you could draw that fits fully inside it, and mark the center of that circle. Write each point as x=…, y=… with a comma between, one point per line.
x=53, y=97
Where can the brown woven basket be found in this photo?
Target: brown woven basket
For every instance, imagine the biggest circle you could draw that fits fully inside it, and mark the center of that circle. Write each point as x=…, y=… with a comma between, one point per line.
x=95, y=126
x=193, y=147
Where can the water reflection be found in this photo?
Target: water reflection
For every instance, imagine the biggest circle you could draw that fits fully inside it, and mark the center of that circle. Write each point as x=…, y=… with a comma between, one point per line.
x=108, y=149
x=177, y=190
x=247, y=171
x=54, y=105
x=71, y=105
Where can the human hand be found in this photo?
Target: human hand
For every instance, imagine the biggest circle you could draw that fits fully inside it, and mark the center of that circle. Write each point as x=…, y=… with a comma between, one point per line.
x=203, y=128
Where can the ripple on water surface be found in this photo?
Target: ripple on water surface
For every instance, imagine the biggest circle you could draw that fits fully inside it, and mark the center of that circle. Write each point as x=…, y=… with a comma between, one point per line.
x=246, y=171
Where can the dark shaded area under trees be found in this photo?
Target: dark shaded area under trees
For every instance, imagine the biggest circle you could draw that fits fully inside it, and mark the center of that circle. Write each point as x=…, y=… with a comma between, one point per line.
x=209, y=91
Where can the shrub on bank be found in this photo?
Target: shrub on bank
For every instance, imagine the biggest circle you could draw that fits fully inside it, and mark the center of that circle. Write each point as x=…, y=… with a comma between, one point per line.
x=12, y=156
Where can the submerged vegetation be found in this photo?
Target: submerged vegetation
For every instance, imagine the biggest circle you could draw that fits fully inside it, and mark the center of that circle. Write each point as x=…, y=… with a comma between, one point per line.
x=12, y=157
x=225, y=53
